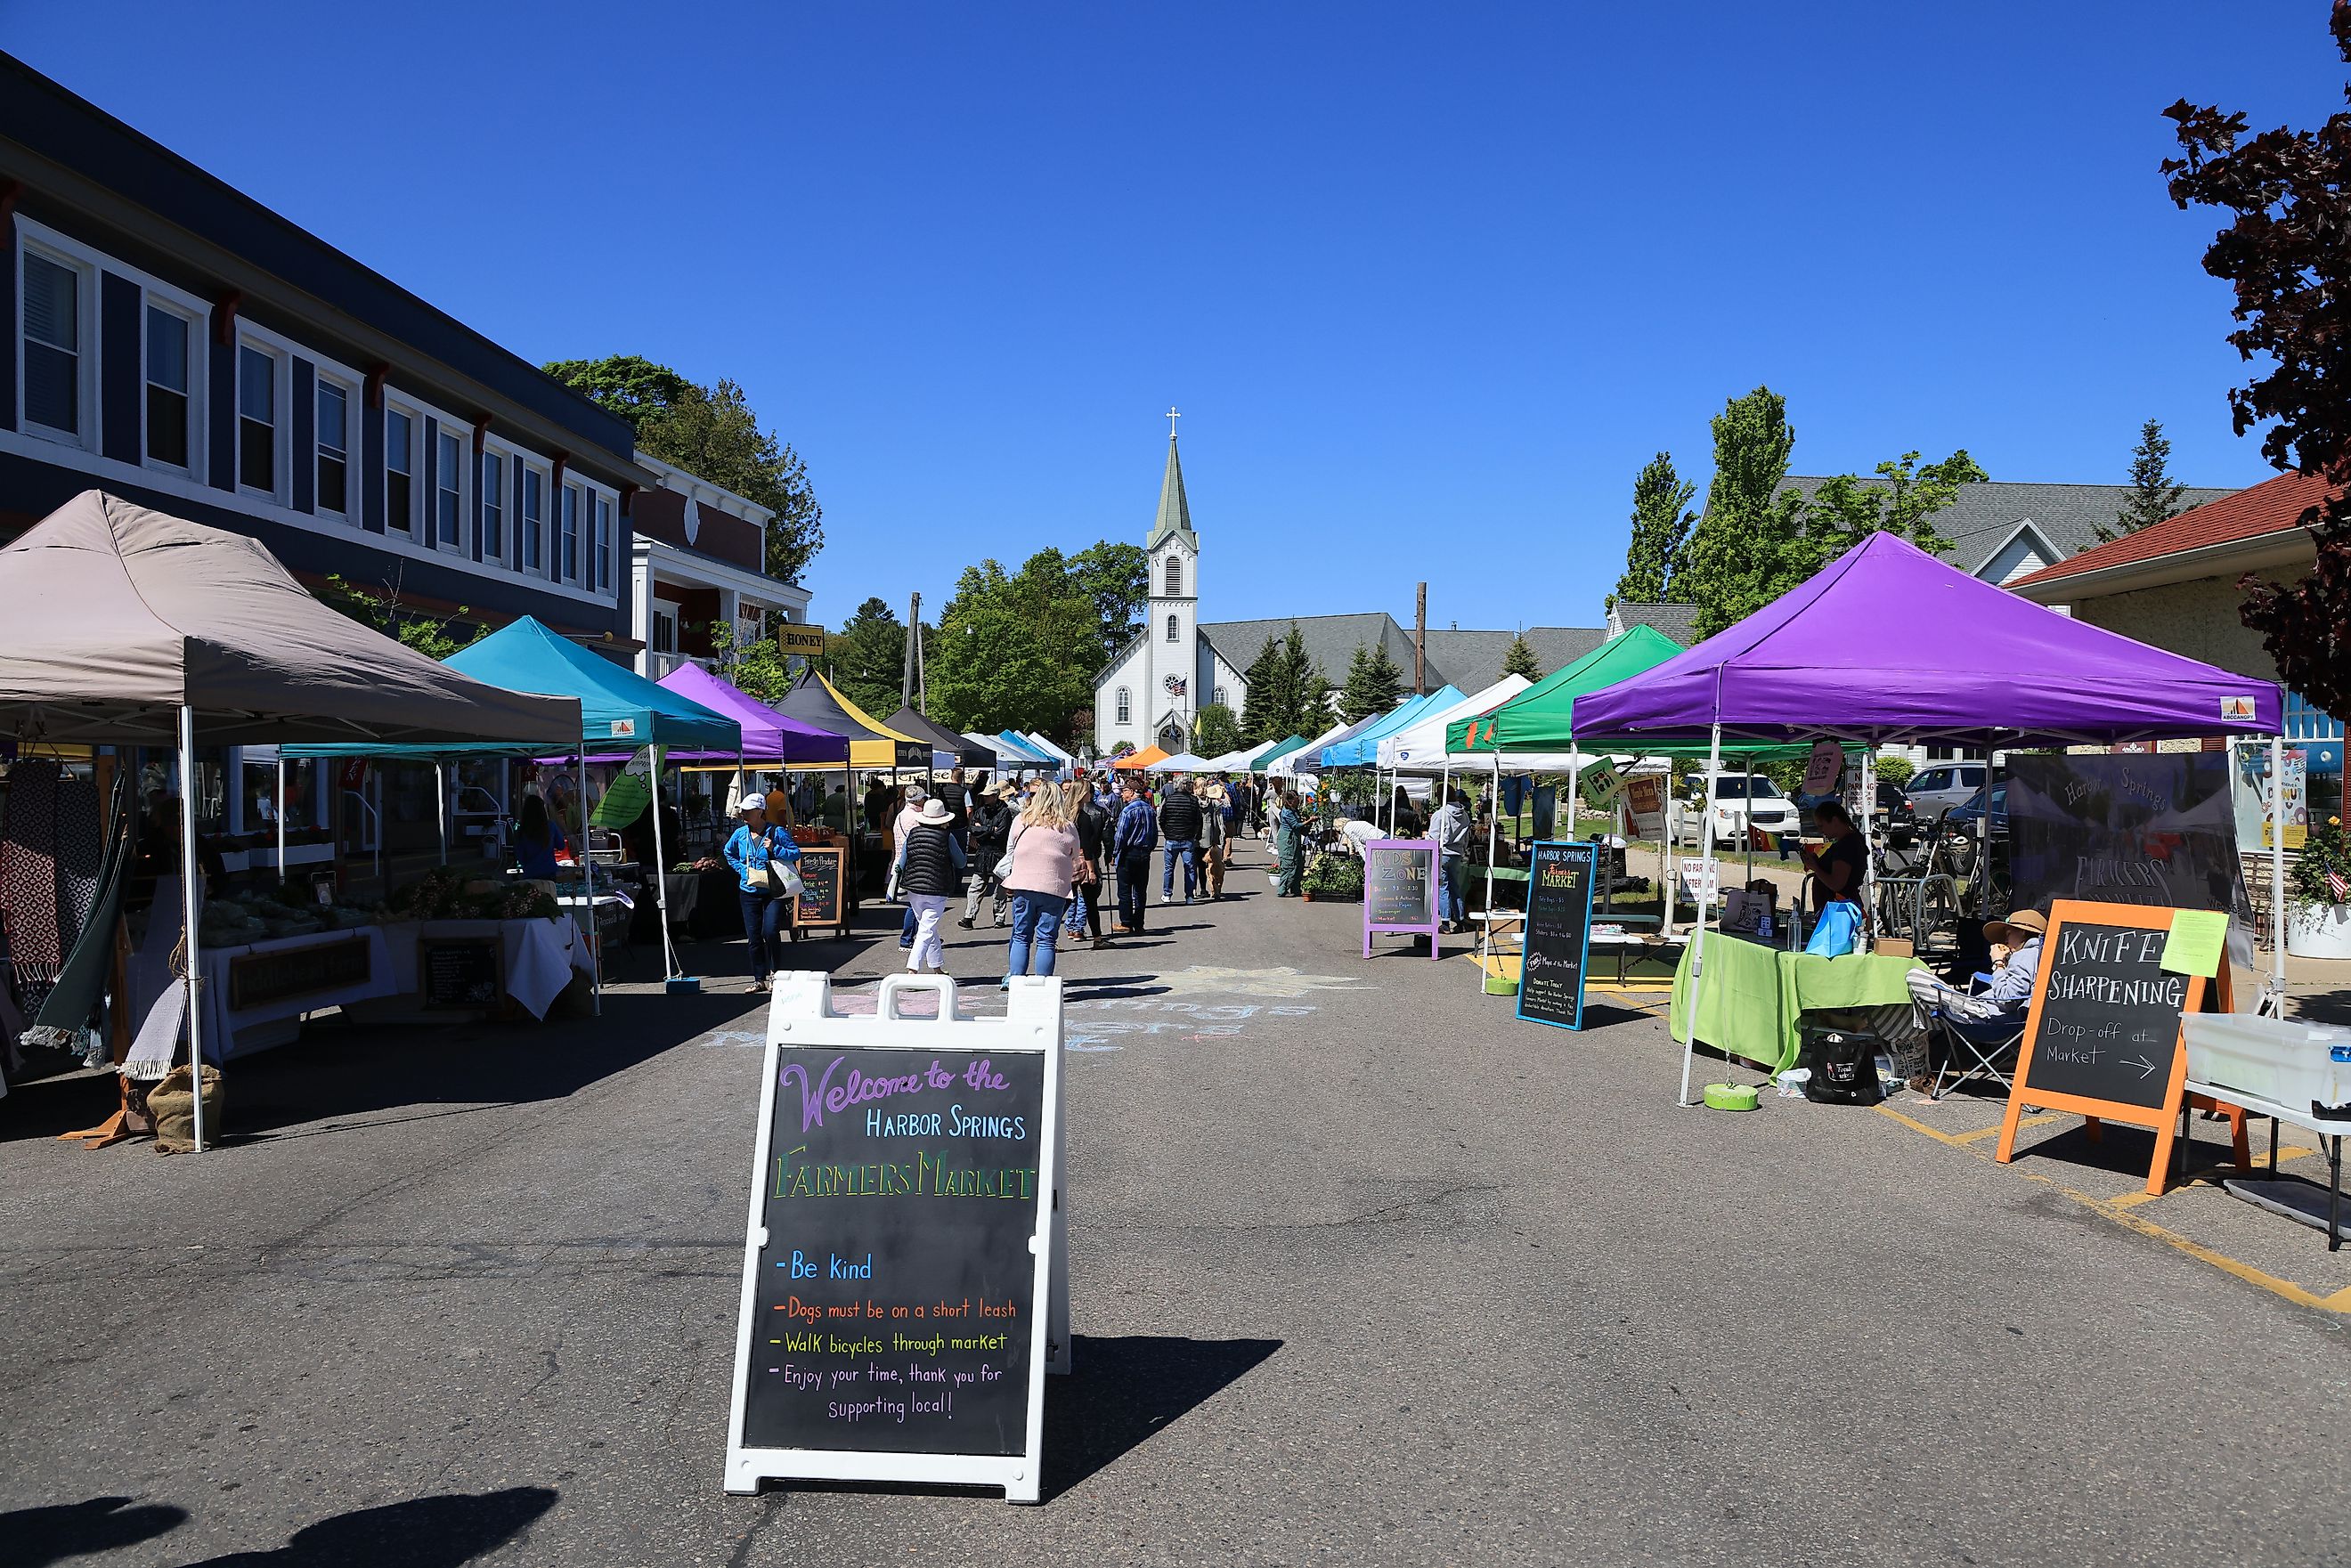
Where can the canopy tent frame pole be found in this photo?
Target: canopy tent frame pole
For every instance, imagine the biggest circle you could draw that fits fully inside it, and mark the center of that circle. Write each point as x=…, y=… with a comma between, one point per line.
x=2277, y=875
x=1749, y=835
x=282, y=870
x=661, y=870
x=1706, y=880
x=1983, y=837
x=191, y=910
x=1493, y=831
x=441, y=802
x=1575, y=790
x=588, y=895
x=1869, y=844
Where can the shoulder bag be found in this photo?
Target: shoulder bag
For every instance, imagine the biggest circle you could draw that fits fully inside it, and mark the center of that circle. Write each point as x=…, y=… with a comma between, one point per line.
x=783, y=877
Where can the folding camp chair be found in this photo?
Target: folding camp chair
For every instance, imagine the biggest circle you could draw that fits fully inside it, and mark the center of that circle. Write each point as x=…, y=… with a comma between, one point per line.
x=1976, y=1047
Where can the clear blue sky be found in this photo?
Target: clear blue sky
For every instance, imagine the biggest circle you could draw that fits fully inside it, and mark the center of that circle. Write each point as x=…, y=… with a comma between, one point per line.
x=1429, y=282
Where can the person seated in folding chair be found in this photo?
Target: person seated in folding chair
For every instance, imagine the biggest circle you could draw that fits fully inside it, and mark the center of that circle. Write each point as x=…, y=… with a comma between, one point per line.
x=1992, y=1016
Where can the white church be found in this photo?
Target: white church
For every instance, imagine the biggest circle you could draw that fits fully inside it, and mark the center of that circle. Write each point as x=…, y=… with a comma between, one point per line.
x=1176, y=665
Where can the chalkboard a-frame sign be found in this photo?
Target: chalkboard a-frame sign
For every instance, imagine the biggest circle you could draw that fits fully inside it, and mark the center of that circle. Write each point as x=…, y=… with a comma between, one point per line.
x=1557, y=942
x=824, y=899
x=1400, y=890
x=904, y=1290
x=2102, y=1039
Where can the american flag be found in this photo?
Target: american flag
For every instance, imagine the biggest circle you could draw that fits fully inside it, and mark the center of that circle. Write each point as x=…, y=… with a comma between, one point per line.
x=2338, y=887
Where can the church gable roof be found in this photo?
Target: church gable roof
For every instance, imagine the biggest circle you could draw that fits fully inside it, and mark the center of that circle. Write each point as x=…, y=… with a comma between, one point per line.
x=1330, y=640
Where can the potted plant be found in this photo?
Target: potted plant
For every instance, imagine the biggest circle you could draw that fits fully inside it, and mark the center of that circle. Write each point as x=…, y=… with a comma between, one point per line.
x=2318, y=919
x=1334, y=878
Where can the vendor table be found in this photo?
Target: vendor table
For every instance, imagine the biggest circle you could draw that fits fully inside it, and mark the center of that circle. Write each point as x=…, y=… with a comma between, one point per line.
x=682, y=891
x=539, y=956
x=248, y=990
x=1753, y=995
x=2330, y=1130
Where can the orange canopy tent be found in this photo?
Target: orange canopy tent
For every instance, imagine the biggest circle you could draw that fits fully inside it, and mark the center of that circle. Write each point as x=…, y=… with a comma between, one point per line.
x=1143, y=758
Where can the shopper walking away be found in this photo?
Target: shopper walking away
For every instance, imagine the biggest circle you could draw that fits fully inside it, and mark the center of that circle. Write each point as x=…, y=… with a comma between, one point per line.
x=1179, y=835
x=753, y=851
x=1451, y=829
x=1092, y=824
x=930, y=868
x=1289, y=873
x=1216, y=837
x=1130, y=844
x=992, y=826
x=1044, y=853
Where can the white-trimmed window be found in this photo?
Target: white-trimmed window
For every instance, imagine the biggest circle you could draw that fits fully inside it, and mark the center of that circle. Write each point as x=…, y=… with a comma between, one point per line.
x=1171, y=630
x=603, y=543
x=665, y=631
x=493, y=510
x=333, y=457
x=1219, y=698
x=168, y=404
x=57, y=344
x=1125, y=705
x=449, y=491
x=400, y=470
x=533, y=526
x=1175, y=577
x=567, y=537
x=256, y=419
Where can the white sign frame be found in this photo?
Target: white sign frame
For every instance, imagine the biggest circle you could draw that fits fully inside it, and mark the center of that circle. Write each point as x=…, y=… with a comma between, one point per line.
x=800, y=1015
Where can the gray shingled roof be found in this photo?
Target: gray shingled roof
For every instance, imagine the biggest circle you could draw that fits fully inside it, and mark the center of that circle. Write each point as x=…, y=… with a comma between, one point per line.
x=1470, y=660
x=1679, y=621
x=1983, y=516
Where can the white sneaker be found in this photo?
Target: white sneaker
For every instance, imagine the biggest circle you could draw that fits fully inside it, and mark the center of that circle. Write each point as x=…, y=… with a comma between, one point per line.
x=1162, y=898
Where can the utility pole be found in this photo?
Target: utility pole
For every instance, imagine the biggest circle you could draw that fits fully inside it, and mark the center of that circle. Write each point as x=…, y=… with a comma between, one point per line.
x=1420, y=641
x=907, y=659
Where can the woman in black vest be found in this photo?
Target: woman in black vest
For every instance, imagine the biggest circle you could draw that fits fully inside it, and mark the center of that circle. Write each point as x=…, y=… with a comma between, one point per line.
x=930, y=869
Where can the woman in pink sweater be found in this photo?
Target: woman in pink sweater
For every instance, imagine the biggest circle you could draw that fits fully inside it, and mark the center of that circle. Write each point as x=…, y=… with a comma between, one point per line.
x=1044, y=851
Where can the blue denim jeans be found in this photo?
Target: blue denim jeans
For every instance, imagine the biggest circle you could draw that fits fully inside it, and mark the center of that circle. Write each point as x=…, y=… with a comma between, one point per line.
x=1455, y=910
x=763, y=919
x=1036, y=927
x=1172, y=850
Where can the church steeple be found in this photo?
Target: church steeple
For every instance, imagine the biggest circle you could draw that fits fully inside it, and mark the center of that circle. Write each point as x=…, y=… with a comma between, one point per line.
x=1174, y=513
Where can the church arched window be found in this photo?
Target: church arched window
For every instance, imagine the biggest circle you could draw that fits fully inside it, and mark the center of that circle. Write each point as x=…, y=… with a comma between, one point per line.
x=1125, y=705
x=1175, y=577
x=1220, y=698
x=1171, y=630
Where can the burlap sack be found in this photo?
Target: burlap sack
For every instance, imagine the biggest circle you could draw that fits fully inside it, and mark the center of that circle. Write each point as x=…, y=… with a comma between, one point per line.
x=174, y=1109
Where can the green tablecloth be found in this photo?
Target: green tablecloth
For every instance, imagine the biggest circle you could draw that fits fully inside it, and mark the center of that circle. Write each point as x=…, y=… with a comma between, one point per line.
x=1753, y=994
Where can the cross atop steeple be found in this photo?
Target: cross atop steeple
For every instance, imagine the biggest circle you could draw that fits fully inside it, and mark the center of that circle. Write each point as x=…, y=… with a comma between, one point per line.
x=1172, y=417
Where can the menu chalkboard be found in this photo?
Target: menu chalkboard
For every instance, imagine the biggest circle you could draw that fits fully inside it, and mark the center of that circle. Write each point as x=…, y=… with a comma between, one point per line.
x=899, y=1249
x=2102, y=1037
x=1400, y=880
x=821, y=890
x=1558, y=934
x=460, y=974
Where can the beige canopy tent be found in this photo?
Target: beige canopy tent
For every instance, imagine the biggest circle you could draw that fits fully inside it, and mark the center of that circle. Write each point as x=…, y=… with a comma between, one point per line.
x=129, y=627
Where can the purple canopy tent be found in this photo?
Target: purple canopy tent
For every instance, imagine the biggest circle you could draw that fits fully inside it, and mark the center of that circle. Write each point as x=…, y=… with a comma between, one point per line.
x=768, y=735
x=1887, y=643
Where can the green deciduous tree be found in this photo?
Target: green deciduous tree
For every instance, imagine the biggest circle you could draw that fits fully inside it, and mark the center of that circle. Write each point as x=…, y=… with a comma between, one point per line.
x=1519, y=659
x=1216, y=731
x=1371, y=684
x=2153, y=494
x=711, y=432
x=1015, y=651
x=1847, y=510
x=1117, y=578
x=1745, y=550
x=1661, y=529
x=2283, y=253
x=383, y=610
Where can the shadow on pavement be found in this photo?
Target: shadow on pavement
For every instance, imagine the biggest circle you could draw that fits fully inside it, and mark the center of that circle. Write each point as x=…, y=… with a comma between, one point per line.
x=40, y=1536
x=423, y=1533
x=1120, y=1390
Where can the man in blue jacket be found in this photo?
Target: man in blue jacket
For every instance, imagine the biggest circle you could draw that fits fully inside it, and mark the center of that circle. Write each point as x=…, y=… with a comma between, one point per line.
x=1132, y=842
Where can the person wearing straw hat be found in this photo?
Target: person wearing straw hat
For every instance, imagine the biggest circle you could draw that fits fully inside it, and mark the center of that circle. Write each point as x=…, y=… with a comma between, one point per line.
x=2015, y=948
x=930, y=867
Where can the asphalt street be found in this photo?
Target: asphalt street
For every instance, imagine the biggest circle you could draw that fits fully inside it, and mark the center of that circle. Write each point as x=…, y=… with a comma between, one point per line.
x=1364, y=1271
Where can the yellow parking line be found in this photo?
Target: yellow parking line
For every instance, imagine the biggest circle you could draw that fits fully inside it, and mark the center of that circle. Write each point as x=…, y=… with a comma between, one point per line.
x=1993, y=1131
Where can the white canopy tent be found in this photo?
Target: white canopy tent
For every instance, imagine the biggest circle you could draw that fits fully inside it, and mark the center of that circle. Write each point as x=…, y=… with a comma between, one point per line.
x=1182, y=762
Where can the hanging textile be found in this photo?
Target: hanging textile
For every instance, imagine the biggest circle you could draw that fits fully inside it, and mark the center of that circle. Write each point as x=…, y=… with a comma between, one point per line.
x=28, y=881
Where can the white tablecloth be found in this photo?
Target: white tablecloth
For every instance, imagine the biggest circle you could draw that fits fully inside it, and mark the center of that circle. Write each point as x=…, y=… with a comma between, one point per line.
x=223, y=1027
x=539, y=955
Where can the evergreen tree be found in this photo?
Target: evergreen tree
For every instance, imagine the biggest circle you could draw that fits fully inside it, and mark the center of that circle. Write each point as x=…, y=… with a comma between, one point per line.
x=868, y=657
x=2153, y=495
x=1661, y=531
x=1311, y=716
x=1215, y=731
x=1263, y=702
x=1520, y=659
x=1372, y=681
x=1747, y=548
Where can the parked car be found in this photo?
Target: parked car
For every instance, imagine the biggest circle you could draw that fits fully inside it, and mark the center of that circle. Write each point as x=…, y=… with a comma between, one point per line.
x=1733, y=811
x=1963, y=819
x=1942, y=786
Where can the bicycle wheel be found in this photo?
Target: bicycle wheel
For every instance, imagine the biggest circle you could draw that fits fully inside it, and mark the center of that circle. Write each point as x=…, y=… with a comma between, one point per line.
x=1935, y=916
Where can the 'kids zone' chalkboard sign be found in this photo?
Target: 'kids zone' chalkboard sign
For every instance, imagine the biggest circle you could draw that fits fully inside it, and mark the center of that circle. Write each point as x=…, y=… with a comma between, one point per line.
x=2102, y=1039
x=1558, y=934
x=904, y=1284
x=1400, y=881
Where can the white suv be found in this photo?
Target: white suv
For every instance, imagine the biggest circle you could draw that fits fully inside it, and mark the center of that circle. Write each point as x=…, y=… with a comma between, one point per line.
x=1944, y=787
x=1733, y=809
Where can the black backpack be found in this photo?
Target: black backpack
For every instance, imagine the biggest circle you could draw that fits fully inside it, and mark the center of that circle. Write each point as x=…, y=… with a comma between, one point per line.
x=1844, y=1063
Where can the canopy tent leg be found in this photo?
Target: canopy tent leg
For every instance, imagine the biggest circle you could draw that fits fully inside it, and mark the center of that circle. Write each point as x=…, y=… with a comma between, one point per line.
x=190, y=911
x=2277, y=874
x=1697, y=932
x=281, y=816
x=1575, y=790
x=441, y=803
x=1983, y=838
x=1868, y=843
x=1748, y=874
x=1493, y=833
x=661, y=876
x=588, y=892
